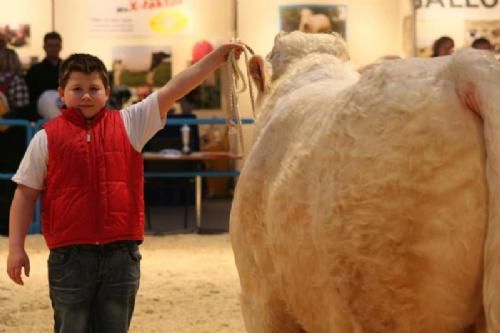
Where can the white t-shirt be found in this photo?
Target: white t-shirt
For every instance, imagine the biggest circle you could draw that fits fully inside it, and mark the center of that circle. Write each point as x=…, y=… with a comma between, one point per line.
x=142, y=121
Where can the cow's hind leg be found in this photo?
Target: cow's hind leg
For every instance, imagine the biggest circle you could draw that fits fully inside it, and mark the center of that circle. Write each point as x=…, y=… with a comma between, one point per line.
x=263, y=312
x=480, y=326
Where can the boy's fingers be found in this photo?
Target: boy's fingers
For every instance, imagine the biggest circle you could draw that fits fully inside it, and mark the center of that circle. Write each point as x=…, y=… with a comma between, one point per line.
x=228, y=48
x=19, y=279
x=15, y=275
x=11, y=272
x=27, y=268
x=16, y=271
x=238, y=49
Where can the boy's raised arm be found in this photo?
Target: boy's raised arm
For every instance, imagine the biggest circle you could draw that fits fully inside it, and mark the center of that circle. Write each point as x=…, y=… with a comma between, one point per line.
x=21, y=215
x=194, y=75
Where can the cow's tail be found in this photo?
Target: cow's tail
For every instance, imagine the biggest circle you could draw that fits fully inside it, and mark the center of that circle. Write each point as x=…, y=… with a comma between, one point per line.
x=477, y=77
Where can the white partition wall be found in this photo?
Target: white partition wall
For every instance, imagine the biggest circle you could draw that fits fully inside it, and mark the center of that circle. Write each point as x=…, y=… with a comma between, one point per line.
x=36, y=13
x=463, y=21
x=374, y=28
x=206, y=19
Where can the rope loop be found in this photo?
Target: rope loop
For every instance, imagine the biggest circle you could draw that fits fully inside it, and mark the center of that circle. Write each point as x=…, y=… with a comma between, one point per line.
x=237, y=84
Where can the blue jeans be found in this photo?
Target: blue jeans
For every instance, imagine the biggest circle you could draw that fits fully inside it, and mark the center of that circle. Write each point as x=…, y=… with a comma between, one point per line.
x=93, y=287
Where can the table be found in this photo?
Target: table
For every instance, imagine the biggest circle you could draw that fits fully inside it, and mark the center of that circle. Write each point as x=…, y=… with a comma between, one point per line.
x=193, y=156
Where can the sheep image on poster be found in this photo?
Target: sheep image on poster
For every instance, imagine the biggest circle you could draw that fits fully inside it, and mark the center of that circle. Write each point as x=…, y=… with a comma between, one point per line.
x=314, y=18
x=369, y=202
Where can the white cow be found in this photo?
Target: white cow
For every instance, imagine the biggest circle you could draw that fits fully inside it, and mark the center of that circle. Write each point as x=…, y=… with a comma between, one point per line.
x=370, y=204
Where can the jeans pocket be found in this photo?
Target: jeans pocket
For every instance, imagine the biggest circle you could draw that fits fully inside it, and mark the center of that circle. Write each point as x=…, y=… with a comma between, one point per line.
x=58, y=257
x=134, y=253
x=63, y=268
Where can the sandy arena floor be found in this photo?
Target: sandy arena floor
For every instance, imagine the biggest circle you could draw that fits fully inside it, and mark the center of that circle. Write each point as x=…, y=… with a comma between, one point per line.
x=189, y=284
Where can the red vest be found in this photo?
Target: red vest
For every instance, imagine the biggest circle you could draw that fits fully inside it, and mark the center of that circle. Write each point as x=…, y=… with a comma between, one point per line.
x=94, y=190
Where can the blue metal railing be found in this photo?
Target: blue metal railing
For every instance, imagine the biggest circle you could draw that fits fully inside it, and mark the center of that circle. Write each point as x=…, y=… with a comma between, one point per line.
x=30, y=132
x=32, y=128
x=205, y=121
x=190, y=174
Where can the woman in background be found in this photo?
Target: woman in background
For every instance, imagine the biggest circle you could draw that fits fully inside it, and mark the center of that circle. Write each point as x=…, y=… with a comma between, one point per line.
x=443, y=46
x=12, y=84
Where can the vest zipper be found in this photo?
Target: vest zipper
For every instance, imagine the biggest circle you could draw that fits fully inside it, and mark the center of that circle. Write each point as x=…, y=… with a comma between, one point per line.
x=93, y=174
x=88, y=133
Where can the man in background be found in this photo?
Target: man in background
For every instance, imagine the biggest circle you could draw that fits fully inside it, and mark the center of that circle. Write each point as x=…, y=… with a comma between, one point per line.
x=3, y=40
x=45, y=75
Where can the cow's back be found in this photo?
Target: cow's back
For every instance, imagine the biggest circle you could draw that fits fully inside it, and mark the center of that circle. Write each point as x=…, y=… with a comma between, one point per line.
x=369, y=202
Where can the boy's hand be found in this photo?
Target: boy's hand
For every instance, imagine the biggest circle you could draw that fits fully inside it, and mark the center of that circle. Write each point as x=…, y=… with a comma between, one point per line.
x=194, y=75
x=16, y=261
x=222, y=52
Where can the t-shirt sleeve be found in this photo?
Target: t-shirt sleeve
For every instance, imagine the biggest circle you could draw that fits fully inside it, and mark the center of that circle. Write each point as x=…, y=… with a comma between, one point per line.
x=142, y=120
x=33, y=168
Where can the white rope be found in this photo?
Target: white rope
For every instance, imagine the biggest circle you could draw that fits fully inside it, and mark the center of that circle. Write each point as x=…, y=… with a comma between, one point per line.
x=233, y=77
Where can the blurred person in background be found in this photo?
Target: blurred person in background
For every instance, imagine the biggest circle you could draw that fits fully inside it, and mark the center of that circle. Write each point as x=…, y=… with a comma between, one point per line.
x=44, y=76
x=15, y=98
x=443, y=46
x=482, y=44
x=3, y=40
x=12, y=84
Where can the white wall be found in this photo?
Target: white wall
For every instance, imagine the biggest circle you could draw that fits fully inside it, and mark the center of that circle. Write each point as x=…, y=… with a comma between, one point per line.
x=435, y=20
x=34, y=12
x=210, y=21
x=374, y=27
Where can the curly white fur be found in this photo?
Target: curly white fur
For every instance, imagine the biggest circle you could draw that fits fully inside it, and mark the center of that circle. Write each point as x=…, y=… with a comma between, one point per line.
x=363, y=204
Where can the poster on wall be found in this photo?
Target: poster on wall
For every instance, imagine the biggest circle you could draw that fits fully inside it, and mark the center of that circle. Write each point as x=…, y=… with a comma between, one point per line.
x=139, y=17
x=142, y=67
x=461, y=20
x=314, y=18
x=16, y=35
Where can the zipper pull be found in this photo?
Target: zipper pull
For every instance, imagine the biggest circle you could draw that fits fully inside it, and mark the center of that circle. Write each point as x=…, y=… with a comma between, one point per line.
x=88, y=135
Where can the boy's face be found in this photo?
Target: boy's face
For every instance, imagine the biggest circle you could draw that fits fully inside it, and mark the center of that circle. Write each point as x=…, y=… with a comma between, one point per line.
x=85, y=92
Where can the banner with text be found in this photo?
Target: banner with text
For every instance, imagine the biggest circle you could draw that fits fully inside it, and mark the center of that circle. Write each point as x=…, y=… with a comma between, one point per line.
x=139, y=17
x=470, y=9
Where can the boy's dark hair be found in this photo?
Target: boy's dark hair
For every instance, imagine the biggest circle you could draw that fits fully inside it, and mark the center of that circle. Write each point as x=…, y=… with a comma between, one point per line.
x=83, y=63
x=480, y=41
x=52, y=35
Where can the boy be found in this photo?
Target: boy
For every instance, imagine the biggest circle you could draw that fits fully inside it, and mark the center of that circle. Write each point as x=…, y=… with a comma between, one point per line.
x=88, y=167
